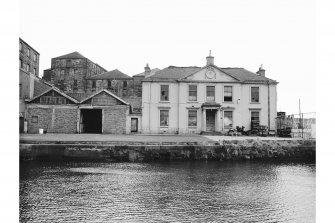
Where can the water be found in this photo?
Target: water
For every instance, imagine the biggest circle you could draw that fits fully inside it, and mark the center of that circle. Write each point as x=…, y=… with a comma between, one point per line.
x=168, y=192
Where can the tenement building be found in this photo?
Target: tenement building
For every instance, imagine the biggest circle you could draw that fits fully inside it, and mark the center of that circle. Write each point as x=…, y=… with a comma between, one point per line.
x=29, y=82
x=183, y=100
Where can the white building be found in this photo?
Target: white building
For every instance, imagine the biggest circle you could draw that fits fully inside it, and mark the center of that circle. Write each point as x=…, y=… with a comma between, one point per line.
x=183, y=100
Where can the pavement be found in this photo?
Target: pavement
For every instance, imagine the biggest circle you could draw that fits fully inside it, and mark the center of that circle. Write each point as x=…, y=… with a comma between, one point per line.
x=105, y=138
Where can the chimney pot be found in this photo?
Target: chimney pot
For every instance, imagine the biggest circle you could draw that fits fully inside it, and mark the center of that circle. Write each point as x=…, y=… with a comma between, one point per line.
x=147, y=70
x=261, y=71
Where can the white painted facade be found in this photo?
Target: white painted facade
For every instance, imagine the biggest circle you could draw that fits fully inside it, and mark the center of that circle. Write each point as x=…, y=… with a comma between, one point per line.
x=178, y=103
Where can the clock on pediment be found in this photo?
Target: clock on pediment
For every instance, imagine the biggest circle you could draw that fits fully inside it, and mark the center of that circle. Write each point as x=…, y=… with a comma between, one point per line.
x=210, y=74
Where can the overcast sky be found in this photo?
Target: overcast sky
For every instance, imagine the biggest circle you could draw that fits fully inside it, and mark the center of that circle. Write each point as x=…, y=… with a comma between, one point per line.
x=127, y=34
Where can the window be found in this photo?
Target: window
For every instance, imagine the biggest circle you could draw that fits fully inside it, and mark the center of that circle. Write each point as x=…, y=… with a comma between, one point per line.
x=28, y=52
x=228, y=93
x=192, y=118
x=93, y=84
x=21, y=47
x=164, y=118
x=20, y=93
x=192, y=92
x=34, y=119
x=109, y=84
x=164, y=92
x=210, y=93
x=125, y=85
x=75, y=86
x=68, y=63
x=52, y=100
x=254, y=94
x=228, y=119
x=35, y=57
x=28, y=67
x=34, y=71
x=21, y=64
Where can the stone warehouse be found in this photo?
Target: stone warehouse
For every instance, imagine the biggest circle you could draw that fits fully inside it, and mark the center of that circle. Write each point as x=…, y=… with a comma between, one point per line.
x=69, y=72
x=103, y=112
x=183, y=100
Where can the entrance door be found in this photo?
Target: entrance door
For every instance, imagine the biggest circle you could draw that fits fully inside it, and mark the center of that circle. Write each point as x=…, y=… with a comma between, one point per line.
x=210, y=120
x=91, y=120
x=134, y=125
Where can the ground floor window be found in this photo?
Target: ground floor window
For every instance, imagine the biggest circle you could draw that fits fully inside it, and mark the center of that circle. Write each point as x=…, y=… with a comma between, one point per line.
x=192, y=118
x=164, y=118
x=228, y=119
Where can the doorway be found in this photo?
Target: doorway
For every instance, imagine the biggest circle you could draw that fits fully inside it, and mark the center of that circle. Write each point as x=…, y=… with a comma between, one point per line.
x=91, y=121
x=134, y=125
x=210, y=120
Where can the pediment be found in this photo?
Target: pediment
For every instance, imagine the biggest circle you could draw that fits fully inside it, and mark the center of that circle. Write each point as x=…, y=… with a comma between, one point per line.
x=104, y=97
x=211, y=73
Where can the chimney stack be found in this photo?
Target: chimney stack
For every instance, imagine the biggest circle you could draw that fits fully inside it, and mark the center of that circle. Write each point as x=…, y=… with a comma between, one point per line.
x=210, y=59
x=261, y=71
x=147, y=70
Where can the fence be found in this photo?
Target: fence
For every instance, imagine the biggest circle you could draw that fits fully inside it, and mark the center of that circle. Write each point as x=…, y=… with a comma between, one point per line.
x=297, y=125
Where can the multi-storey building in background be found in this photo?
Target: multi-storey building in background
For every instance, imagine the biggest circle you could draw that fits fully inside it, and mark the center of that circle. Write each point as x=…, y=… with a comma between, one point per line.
x=69, y=72
x=29, y=82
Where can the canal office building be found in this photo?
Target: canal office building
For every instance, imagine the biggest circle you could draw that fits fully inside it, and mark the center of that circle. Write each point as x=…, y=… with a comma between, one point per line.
x=184, y=100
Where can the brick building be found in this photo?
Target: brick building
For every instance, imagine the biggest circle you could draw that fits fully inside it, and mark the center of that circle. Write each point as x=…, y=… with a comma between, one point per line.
x=69, y=72
x=56, y=112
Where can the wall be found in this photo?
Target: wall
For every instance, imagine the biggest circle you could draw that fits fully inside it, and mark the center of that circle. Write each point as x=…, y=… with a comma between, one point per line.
x=23, y=55
x=114, y=119
x=64, y=71
x=52, y=118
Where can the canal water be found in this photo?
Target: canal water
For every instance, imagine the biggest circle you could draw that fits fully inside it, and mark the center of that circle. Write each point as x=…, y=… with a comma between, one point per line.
x=194, y=191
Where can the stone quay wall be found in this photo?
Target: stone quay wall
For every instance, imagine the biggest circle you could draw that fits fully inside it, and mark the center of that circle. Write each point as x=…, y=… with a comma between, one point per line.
x=137, y=152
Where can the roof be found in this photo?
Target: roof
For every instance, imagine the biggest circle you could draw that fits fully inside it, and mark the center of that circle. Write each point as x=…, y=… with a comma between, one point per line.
x=29, y=46
x=40, y=86
x=114, y=74
x=245, y=75
x=152, y=72
x=73, y=55
x=173, y=73
x=108, y=92
x=58, y=91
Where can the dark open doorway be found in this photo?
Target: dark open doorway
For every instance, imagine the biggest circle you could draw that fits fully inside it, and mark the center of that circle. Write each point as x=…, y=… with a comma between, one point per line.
x=91, y=121
x=210, y=120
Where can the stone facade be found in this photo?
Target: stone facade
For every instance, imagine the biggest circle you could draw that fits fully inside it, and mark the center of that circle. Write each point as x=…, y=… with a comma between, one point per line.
x=56, y=112
x=29, y=58
x=69, y=72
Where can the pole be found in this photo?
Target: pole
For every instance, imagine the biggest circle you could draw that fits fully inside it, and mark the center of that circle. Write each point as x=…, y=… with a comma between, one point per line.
x=299, y=114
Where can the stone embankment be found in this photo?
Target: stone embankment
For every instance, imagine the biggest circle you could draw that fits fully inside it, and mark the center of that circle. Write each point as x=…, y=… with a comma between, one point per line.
x=220, y=151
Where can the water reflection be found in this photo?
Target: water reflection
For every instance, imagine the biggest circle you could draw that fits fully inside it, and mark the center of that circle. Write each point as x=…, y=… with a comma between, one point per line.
x=171, y=191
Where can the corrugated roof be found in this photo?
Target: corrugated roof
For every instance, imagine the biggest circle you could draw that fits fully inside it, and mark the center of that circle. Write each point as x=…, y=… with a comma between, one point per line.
x=73, y=55
x=153, y=71
x=114, y=74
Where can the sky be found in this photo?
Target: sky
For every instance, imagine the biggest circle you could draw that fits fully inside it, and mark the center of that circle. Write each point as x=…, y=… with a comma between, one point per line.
x=127, y=34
